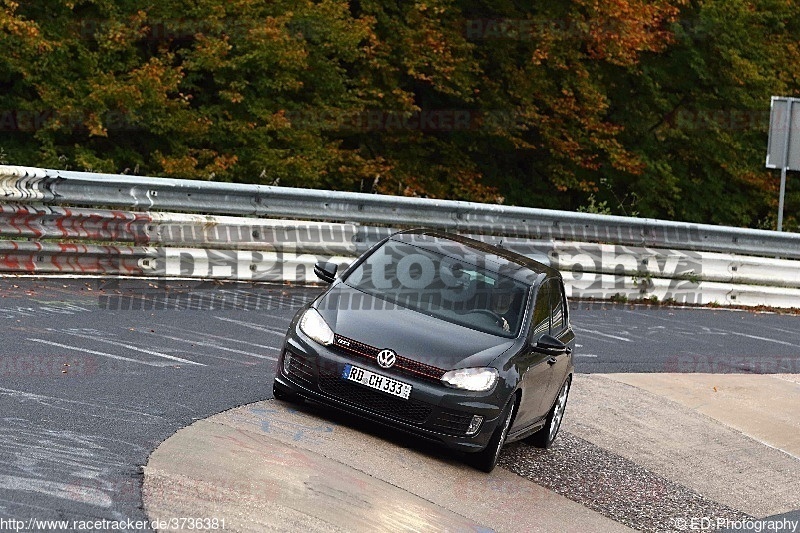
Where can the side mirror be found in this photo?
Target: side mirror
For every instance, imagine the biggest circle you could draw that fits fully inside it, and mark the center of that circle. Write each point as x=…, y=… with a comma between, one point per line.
x=549, y=345
x=326, y=271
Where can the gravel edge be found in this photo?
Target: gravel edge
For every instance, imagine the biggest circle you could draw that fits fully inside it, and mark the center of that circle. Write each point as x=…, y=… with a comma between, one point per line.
x=612, y=485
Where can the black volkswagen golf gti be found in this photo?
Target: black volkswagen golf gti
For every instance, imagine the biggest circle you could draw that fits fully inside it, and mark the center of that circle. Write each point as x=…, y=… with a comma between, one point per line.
x=453, y=339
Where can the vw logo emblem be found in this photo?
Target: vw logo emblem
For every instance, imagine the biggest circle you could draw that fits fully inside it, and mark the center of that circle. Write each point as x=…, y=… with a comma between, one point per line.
x=386, y=358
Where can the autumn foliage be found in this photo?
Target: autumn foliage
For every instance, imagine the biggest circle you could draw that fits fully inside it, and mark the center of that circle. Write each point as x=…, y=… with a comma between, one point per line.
x=656, y=108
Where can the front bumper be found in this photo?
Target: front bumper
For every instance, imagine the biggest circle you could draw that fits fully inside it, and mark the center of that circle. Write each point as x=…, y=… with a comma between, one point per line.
x=432, y=411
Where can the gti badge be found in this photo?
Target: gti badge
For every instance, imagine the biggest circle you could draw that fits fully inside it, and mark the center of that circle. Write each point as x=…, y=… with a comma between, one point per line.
x=386, y=358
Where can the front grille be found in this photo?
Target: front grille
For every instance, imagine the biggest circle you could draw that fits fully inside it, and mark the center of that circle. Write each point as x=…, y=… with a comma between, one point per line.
x=451, y=422
x=300, y=367
x=402, y=364
x=413, y=411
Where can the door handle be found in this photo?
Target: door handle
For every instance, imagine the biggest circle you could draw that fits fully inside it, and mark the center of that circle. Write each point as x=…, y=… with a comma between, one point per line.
x=552, y=361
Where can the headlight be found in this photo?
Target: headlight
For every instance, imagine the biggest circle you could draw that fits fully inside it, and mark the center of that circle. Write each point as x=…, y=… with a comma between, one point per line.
x=313, y=325
x=474, y=379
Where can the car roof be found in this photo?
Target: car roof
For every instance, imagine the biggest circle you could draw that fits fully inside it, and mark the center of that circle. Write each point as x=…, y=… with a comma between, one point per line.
x=516, y=266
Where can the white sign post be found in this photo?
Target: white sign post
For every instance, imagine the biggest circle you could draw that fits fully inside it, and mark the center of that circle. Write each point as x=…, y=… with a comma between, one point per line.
x=783, y=150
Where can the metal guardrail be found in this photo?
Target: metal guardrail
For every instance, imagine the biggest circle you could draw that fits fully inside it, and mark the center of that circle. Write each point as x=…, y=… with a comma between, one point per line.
x=646, y=258
x=26, y=184
x=347, y=240
x=65, y=258
x=154, y=228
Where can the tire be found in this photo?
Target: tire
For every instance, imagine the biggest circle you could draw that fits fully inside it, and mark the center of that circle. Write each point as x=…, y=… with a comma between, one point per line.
x=486, y=459
x=544, y=437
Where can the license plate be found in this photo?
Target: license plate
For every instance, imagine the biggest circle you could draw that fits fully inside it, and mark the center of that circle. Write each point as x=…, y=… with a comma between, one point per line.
x=376, y=381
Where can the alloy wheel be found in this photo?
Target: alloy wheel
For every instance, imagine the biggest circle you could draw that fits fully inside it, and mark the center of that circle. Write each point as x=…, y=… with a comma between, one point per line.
x=558, y=410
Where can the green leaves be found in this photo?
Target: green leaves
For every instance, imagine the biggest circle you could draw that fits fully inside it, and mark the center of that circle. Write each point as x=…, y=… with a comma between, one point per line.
x=701, y=108
x=650, y=107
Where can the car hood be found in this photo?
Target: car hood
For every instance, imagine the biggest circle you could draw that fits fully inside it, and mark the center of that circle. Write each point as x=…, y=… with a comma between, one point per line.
x=412, y=334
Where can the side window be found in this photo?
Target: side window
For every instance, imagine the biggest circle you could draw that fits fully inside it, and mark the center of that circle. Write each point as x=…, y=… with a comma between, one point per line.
x=557, y=304
x=541, y=313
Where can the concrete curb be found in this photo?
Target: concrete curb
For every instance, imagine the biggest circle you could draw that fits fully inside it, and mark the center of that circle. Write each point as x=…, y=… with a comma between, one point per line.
x=271, y=466
x=678, y=427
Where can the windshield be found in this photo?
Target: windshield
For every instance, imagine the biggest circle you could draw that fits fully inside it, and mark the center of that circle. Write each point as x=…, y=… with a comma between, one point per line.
x=454, y=289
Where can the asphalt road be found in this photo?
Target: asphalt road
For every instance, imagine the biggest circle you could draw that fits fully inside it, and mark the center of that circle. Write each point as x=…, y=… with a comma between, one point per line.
x=89, y=387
